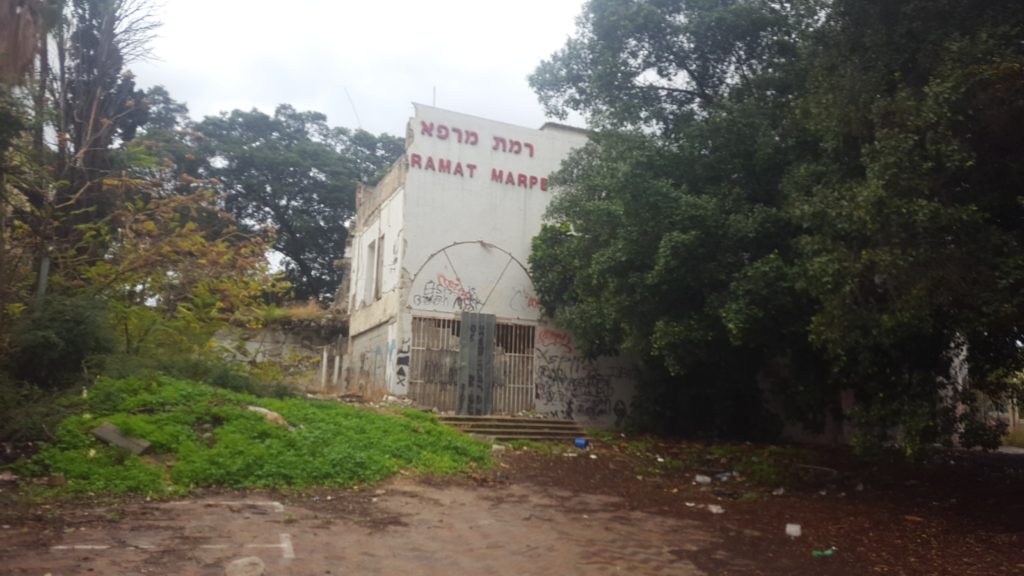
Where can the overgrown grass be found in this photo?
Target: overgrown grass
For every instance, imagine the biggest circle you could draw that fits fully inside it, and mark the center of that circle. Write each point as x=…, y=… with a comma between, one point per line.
x=761, y=464
x=295, y=312
x=204, y=367
x=766, y=465
x=204, y=436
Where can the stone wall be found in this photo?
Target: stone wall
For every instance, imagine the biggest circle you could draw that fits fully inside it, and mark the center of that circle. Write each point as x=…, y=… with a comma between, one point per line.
x=295, y=353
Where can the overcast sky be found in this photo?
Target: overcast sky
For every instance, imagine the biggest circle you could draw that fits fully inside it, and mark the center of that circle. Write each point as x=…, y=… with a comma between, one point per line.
x=218, y=55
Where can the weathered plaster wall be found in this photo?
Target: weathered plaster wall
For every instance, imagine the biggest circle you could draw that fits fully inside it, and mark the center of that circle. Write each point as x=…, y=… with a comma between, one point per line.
x=368, y=364
x=385, y=221
x=453, y=194
x=474, y=277
x=400, y=348
x=296, y=352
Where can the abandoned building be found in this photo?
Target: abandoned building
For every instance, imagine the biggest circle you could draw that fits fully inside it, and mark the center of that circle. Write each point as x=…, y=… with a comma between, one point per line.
x=442, y=308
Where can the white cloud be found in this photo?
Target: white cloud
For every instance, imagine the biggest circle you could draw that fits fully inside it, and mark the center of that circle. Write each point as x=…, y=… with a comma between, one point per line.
x=226, y=54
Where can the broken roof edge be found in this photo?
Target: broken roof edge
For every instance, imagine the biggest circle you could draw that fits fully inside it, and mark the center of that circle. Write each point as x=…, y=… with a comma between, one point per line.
x=546, y=126
x=566, y=127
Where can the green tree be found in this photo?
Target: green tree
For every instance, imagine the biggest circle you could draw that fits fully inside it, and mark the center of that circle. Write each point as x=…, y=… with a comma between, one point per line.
x=86, y=98
x=911, y=207
x=293, y=172
x=172, y=279
x=809, y=196
x=163, y=112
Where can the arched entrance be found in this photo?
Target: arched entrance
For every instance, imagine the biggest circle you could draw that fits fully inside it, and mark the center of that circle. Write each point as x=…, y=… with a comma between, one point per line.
x=474, y=318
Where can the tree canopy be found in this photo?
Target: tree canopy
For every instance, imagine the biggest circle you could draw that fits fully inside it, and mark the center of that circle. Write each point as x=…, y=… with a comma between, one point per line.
x=293, y=172
x=800, y=198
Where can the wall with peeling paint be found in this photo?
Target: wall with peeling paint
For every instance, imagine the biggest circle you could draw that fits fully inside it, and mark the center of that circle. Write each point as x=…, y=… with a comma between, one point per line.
x=295, y=351
x=368, y=363
x=384, y=222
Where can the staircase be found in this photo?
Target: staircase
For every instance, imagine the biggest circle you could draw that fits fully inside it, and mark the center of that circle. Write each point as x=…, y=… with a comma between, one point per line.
x=512, y=428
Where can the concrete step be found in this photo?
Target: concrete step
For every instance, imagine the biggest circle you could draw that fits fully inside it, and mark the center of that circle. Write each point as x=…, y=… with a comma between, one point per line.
x=533, y=432
x=506, y=435
x=516, y=425
x=513, y=419
x=515, y=428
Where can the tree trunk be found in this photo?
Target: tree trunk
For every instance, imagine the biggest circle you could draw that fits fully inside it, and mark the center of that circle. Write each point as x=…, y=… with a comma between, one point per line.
x=40, y=103
x=3, y=231
x=40, y=151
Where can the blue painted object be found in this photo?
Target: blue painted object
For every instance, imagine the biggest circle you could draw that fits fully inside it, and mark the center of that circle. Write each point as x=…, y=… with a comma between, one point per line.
x=582, y=443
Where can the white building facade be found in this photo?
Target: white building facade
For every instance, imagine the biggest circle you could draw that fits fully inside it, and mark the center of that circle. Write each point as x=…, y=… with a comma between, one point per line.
x=439, y=255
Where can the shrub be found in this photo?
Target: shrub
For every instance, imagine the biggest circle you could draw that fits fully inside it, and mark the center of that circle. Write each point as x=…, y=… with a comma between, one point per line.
x=56, y=341
x=28, y=413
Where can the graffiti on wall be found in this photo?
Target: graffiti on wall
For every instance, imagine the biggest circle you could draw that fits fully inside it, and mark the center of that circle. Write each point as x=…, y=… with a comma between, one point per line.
x=370, y=354
x=389, y=358
x=524, y=301
x=402, y=364
x=574, y=383
x=554, y=339
x=573, y=386
x=449, y=294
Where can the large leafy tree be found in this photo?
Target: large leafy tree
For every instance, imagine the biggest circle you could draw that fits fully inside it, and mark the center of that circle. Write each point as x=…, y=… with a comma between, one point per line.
x=911, y=206
x=295, y=173
x=811, y=196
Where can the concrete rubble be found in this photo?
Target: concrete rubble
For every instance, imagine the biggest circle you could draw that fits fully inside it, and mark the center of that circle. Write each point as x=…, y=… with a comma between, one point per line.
x=112, y=435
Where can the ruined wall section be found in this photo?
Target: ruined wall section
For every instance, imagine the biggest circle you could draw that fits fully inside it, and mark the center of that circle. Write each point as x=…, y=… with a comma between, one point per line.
x=377, y=247
x=375, y=290
x=368, y=364
x=369, y=198
x=291, y=353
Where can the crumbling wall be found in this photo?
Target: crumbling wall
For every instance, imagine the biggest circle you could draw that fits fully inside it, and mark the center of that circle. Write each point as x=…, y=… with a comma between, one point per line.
x=367, y=365
x=293, y=355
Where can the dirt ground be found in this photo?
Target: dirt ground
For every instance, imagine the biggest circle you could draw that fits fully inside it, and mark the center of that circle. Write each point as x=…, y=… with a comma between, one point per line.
x=603, y=511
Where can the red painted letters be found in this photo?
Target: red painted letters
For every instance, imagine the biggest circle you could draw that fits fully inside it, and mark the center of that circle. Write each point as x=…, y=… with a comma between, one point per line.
x=441, y=165
x=442, y=132
x=510, y=178
x=472, y=138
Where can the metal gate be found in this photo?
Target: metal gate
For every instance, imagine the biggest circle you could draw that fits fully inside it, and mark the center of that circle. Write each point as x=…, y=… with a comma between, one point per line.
x=513, y=364
x=434, y=365
x=434, y=362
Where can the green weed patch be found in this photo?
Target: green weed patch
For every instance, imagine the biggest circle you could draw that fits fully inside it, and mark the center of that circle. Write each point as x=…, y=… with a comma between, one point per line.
x=203, y=436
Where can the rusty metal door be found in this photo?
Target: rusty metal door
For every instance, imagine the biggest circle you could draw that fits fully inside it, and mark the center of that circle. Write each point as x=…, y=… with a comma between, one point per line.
x=475, y=390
